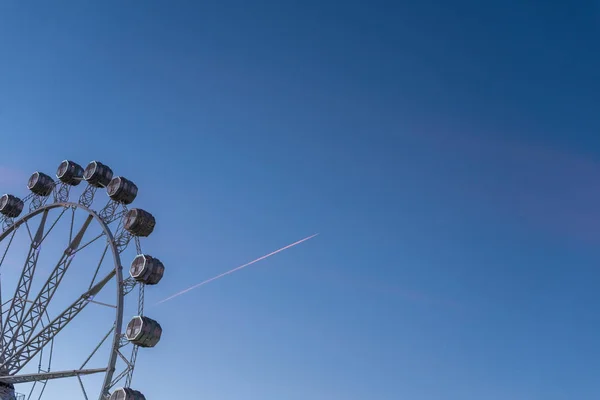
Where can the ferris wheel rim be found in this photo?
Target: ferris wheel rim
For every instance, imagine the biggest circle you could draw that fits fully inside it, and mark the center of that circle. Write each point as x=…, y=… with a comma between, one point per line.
x=118, y=324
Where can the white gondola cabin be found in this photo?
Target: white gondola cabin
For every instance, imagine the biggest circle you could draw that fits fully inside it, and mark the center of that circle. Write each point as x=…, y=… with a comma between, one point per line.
x=70, y=173
x=40, y=184
x=139, y=222
x=147, y=269
x=143, y=331
x=122, y=190
x=127, y=394
x=97, y=174
x=11, y=206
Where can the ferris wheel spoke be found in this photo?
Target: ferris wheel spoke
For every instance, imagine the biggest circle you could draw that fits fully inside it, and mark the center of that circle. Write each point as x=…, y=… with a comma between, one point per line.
x=3, y=310
x=87, y=360
x=30, y=349
x=12, y=236
x=34, y=314
x=99, y=264
x=82, y=387
x=15, y=313
x=104, y=304
x=28, y=231
x=43, y=376
x=72, y=225
x=88, y=243
x=54, y=223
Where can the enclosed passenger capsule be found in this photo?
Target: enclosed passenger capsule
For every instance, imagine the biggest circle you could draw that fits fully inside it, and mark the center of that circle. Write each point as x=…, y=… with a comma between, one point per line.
x=70, y=173
x=127, y=394
x=97, y=174
x=40, y=184
x=147, y=269
x=139, y=222
x=11, y=206
x=122, y=190
x=143, y=331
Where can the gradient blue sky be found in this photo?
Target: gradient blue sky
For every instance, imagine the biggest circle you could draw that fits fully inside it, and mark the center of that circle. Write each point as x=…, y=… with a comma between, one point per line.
x=447, y=152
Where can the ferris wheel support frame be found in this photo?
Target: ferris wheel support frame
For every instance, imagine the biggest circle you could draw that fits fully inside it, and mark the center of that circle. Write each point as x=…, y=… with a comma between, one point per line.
x=21, y=339
x=117, y=329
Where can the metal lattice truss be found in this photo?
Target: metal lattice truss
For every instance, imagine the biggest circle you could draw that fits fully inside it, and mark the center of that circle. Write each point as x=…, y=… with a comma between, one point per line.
x=28, y=329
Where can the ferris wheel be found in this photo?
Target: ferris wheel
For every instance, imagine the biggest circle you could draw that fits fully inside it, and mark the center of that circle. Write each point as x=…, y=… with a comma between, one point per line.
x=63, y=293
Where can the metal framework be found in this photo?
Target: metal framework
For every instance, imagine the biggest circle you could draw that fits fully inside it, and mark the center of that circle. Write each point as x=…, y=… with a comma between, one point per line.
x=28, y=330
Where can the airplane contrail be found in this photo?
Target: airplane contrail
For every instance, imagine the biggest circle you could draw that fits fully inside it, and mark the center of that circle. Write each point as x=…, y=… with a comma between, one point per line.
x=236, y=269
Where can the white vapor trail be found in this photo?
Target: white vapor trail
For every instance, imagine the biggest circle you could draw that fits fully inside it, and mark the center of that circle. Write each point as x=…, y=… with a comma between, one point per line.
x=236, y=269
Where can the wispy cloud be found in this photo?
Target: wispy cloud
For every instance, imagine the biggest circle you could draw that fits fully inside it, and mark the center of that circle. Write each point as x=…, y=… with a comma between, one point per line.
x=391, y=288
x=554, y=189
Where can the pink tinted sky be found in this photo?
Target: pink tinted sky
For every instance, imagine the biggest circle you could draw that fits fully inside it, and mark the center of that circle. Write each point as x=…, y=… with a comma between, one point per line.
x=11, y=179
x=553, y=189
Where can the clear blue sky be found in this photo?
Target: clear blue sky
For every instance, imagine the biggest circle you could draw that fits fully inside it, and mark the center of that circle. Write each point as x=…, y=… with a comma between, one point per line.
x=447, y=152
